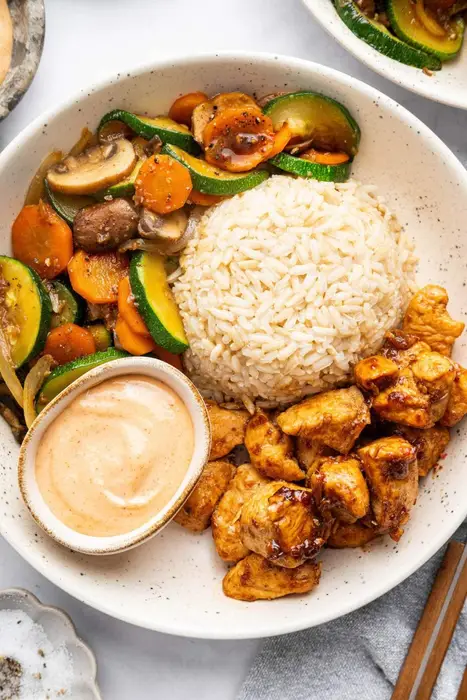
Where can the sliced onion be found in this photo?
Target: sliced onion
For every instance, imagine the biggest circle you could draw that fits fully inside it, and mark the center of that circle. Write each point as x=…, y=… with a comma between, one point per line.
x=7, y=370
x=139, y=244
x=86, y=139
x=36, y=190
x=33, y=383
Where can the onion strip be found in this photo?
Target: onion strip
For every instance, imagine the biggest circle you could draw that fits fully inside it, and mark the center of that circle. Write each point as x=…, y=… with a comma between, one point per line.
x=33, y=383
x=36, y=189
x=7, y=370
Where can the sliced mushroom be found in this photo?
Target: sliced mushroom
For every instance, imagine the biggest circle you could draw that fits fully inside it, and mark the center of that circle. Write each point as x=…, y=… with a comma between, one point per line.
x=169, y=233
x=114, y=130
x=262, y=101
x=296, y=148
x=105, y=226
x=203, y=113
x=97, y=167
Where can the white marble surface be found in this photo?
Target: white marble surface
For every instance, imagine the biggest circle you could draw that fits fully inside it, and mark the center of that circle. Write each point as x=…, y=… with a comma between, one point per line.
x=85, y=41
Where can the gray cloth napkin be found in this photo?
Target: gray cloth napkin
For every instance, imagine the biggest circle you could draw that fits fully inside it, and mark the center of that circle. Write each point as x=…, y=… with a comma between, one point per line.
x=359, y=656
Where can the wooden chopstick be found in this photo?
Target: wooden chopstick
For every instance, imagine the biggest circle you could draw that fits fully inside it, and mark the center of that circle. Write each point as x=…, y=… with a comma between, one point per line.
x=462, y=694
x=436, y=627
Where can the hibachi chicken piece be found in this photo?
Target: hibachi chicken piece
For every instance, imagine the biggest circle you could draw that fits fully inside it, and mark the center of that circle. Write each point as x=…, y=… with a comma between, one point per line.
x=198, y=509
x=226, y=516
x=339, y=488
x=310, y=452
x=280, y=522
x=375, y=373
x=255, y=578
x=403, y=348
x=429, y=444
x=270, y=450
x=457, y=403
x=351, y=535
x=390, y=465
x=428, y=318
x=335, y=418
x=419, y=396
x=227, y=428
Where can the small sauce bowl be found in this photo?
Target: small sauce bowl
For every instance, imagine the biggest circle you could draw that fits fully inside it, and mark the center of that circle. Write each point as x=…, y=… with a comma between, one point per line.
x=40, y=511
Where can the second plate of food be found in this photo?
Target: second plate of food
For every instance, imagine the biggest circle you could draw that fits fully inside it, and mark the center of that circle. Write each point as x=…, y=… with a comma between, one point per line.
x=418, y=45
x=286, y=221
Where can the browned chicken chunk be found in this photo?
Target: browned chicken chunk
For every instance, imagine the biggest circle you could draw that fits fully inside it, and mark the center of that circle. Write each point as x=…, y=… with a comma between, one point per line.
x=255, y=578
x=457, y=403
x=403, y=348
x=281, y=523
x=420, y=394
x=335, y=418
x=351, y=535
x=226, y=516
x=375, y=373
x=428, y=318
x=227, y=428
x=309, y=453
x=271, y=450
x=198, y=509
x=390, y=465
x=429, y=444
x=339, y=488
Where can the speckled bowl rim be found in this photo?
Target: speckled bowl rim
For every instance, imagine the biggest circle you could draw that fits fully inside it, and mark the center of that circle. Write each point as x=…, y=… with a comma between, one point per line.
x=86, y=544
x=17, y=594
x=384, y=65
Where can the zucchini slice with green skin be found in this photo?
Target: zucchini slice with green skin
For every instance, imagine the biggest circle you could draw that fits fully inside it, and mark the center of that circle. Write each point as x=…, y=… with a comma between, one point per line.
x=72, y=306
x=149, y=286
x=315, y=171
x=315, y=117
x=63, y=376
x=101, y=335
x=377, y=36
x=165, y=128
x=124, y=188
x=210, y=180
x=408, y=27
x=67, y=205
x=26, y=310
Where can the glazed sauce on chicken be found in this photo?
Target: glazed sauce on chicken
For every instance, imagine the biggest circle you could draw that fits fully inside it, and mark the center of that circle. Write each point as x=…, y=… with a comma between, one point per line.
x=115, y=456
x=6, y=39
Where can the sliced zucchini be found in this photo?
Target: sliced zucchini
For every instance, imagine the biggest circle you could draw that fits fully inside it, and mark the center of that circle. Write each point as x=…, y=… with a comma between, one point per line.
x=377, y=36
x=313, y=117
x=316, y=171
x=25, y=310
x=148, y=281
x=67, y=205
x=124, y=188
x=63, y=376
x=101, y=335
x=72, y=307
x=147, y=127
x=412, y=23
x=210, y=180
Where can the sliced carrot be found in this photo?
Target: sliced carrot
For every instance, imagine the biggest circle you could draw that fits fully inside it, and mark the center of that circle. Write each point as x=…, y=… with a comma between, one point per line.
x=96, y=276
x=163, y=184
x=41, y=239
x=238, y=139
x=325, y=157
x=206, y=200
x=183, y=107
x=281, y=139
x=169, y=357
x=68, y=342
x=132, y=342
x=128, y=311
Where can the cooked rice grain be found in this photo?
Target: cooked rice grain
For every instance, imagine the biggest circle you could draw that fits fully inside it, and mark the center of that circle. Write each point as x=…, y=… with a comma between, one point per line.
x=285, y=287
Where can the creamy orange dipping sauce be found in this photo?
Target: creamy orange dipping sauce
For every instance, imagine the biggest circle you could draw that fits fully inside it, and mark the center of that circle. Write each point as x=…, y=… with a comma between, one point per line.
x=115, y=456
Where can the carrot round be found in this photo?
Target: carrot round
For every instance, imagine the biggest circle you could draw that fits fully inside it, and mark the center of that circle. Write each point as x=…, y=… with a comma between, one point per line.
x=281, y=139
x=205, y=200
x=325, y=157
x=68, y=342
x=42, y=240
x=96, y=276
x=128, y=311
x=183, y=107
x=163, y=184
x=238, y=139
x=132, y=342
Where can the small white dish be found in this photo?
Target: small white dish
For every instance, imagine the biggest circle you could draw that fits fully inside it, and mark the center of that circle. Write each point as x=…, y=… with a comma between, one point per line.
x=448, y=85
x=60, y=630
x=87, y=544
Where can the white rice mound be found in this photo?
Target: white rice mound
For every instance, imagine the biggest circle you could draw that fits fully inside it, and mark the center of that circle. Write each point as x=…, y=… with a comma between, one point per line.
x=286, y=286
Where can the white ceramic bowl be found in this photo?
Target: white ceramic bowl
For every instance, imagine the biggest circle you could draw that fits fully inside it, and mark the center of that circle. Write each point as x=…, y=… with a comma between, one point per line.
x=449, y=85
x=145, y=366
x=173, y=582
x=60, y=630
